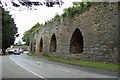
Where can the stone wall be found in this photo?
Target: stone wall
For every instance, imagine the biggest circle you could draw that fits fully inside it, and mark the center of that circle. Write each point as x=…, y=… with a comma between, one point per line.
x=92, y=35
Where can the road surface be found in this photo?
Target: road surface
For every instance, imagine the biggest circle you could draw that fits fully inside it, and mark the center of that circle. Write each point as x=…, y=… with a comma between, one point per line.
x=24, y=66
x=0, y=66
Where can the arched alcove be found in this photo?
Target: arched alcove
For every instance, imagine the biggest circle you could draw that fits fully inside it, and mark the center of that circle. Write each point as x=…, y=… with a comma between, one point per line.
x=76, y=43
x=34, y=46
x=53, y=44
x=31, y=46
x=41, y=45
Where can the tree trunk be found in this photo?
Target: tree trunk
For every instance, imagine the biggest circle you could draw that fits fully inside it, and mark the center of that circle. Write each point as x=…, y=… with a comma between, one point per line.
x=3, y=51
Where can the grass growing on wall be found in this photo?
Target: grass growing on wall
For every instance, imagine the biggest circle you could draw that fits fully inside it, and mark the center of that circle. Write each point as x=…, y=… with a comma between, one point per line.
x=99, y=65
x=77, y=8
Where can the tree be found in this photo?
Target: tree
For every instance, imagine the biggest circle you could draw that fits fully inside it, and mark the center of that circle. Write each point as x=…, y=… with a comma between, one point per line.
x=27, y=34
x=9, y=30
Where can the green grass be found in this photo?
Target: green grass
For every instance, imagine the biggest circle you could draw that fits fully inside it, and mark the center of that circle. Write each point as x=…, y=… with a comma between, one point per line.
x=99, y=65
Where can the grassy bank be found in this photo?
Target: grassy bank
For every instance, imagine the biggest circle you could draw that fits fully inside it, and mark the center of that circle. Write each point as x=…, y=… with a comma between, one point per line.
x=99, y=65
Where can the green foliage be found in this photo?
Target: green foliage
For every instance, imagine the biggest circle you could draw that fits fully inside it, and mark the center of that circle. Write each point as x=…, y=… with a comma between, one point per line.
x=78, y=7
x=57, y=17
x=27, y=34
x=9, y=30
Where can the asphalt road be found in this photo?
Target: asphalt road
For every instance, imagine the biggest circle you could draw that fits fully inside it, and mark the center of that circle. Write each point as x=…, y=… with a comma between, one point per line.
x=0, y=67
x=11, y=70
x=24, y=66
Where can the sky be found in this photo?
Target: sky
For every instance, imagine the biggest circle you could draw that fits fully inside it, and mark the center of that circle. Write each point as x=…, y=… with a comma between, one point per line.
x=26, y=19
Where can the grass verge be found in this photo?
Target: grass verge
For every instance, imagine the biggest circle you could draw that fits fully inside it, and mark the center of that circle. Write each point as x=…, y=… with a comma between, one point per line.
x=99, y=65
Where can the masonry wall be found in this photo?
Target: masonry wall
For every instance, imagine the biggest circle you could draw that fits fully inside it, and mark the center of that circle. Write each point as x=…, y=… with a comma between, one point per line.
x=92, y=35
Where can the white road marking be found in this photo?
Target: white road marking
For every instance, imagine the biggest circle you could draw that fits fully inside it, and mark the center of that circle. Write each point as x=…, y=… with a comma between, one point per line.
x=57, y=66
x=64, y=70
x=27, y=69
x=38, y=62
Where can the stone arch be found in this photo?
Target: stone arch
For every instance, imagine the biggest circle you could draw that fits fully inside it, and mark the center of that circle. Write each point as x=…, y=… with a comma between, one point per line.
x=53, y=43
x=31, y=46
x=41, y=45
x=34, y=49
x=76, y=42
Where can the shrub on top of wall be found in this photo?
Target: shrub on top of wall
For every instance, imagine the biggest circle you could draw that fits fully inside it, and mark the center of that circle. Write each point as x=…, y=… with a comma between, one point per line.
x=78, y=7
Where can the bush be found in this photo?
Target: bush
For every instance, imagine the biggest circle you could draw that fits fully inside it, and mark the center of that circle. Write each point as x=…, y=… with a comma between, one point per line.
x=78, y=7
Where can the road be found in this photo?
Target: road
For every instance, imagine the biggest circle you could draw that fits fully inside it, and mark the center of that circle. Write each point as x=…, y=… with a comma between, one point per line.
x=24, y=66
x=11, y=70
x=0, y=66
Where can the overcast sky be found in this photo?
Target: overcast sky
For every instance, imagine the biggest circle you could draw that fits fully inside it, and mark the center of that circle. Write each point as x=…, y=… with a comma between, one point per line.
x=26, y=19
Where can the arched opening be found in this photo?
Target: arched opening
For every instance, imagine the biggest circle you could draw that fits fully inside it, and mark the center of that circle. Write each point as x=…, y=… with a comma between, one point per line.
x=41, y=45
x=31, y=47
x=76, y=43
x=34, y=46
x=53, y=44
